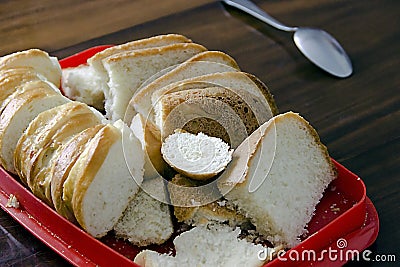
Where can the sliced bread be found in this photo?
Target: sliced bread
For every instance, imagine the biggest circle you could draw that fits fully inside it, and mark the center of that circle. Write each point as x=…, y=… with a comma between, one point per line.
x=88, y=83
x=261, y=100
x=63, y=162
x=196, y=156
x=219, y=245
x=277, y=177
x=200, y=64
x=12, y=80
x=215, y=111
x=147, y=220
x=34, y=98
x=37, y=59
x=128, y=70
x=104, y=178
x=41, y=140
x=150, y=138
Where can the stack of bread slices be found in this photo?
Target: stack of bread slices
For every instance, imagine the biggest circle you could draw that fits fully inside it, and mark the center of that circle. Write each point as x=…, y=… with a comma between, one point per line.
x=186, y=137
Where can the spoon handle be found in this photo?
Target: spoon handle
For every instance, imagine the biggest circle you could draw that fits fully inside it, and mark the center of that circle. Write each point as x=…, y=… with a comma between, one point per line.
x=252, y=9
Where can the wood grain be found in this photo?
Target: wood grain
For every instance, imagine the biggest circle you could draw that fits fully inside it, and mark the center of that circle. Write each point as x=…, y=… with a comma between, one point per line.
x=357, y=118
x=49, y=25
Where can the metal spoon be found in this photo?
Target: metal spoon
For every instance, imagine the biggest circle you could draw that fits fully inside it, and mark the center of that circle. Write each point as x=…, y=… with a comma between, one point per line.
x=317, y=45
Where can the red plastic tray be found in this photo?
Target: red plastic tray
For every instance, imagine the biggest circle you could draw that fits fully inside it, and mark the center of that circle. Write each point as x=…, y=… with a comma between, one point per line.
x=344, y=214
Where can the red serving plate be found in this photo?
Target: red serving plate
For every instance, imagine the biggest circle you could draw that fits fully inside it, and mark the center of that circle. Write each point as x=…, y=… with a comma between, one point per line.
x=345, y=220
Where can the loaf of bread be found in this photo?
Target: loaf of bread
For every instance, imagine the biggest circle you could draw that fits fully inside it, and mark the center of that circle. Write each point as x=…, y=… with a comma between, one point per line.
x=277, y=177
x=147, y=220
x=106, y=176
x=203, y=63
x=88, y=83
x=217, y=245
x=196, y=156
x=23, y=106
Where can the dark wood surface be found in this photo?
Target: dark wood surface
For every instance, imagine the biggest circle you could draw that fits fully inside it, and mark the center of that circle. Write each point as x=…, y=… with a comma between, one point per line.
x=357, y=118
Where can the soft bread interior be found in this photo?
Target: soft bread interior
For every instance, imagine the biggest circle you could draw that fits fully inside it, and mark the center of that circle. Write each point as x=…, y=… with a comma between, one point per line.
x=83, y=84
x=278, y=176
x=197, y=156
x=147, y=220
x=210, y=246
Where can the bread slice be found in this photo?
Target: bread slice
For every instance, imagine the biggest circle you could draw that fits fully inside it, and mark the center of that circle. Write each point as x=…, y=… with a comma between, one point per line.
x=199, y=203
x=63, y=161
x=277, y=177
x=147, y=220
x=13, y=79
x=44, y=136
x=219, y=245
x=263, y=104
x=88, y=83
x=104, y=178
x=34, y=98
x=127, y=71
x=215, y=111
x=196, y=156
x=37, y=59
x=200, y=64
x=150, y=138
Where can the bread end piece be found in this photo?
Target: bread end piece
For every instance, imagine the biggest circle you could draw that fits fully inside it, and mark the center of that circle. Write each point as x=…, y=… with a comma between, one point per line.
x=278, y=176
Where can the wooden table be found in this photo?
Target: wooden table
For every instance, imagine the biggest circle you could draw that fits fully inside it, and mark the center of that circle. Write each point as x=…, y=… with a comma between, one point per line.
x=357, y=118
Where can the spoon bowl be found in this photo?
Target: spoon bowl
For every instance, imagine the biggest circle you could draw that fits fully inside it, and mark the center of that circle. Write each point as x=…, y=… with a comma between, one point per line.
x=318, y=46
x=323, y=50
